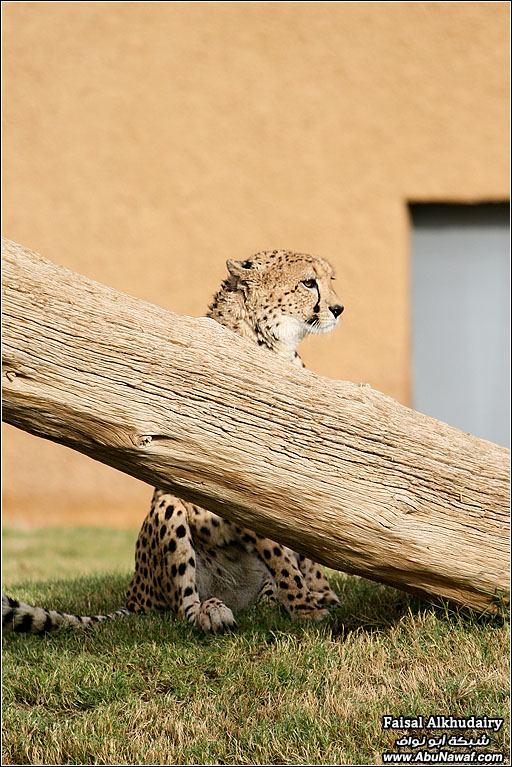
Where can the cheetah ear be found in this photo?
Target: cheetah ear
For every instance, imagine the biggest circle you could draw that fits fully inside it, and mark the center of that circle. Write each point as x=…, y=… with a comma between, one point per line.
x=239, y=269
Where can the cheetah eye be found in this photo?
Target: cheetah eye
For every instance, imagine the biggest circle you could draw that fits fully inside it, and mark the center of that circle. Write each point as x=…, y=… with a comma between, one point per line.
x=309, y=283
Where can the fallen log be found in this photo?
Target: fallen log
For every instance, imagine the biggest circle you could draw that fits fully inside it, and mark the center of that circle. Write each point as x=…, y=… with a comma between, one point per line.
x=337, y=471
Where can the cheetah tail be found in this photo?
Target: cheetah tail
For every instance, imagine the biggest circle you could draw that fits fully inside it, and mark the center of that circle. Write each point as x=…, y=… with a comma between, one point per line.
x=18, y=616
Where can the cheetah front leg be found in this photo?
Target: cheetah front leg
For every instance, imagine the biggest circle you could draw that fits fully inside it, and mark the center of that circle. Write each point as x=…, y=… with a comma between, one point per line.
x=165, y=568
x=212, y=615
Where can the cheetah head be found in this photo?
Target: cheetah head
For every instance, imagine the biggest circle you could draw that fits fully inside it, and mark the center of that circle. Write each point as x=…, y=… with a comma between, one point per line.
x=288, y=295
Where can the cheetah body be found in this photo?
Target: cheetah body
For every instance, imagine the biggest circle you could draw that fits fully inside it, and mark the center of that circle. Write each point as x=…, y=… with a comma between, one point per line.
x=194, y=562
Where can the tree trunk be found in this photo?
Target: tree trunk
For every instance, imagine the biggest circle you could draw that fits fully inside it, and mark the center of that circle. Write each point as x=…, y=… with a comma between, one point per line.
x=337, y=471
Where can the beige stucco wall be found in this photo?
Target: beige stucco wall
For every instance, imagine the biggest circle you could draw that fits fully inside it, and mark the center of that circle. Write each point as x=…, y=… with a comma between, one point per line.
x=145, y=143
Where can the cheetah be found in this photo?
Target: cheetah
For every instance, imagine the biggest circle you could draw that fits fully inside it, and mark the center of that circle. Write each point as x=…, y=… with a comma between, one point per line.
x=187, y=559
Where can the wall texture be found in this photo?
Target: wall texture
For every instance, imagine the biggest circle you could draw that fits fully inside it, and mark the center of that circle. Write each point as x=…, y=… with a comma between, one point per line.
x=145, y=143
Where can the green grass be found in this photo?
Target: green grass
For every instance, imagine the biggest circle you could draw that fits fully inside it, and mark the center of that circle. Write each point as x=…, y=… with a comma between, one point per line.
x=153, y=690
x=37, y=554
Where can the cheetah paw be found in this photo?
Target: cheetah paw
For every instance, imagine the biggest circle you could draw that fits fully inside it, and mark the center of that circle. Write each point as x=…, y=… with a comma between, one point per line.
x=214, y=616
x=311, y=613
x=311, y=608
x=326, y=597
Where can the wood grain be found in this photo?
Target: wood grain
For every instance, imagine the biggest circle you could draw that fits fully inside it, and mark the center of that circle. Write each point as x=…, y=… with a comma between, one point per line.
x=339, y=472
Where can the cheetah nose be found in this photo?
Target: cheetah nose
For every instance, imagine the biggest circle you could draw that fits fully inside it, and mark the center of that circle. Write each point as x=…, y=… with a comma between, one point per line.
x=336, y=309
